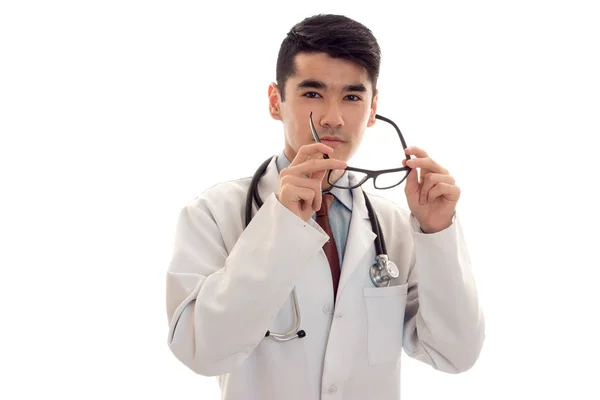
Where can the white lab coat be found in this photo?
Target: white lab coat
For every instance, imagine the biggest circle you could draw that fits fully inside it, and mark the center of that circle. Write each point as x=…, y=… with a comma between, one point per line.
x=227, y=286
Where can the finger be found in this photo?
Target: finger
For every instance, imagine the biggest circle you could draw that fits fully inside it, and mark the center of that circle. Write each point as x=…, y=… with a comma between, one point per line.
x=307, y=197
x=416, y=151
x=448, y=191
x=301, y=182
x=308, y=150
x=291, y=183
x=430, y=180
x=318, y=176
x=315, y=165
x=428, y=164
x=412, y=182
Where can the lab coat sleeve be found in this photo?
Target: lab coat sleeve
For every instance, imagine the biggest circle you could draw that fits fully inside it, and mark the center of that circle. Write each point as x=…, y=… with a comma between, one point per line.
x=219, y=302
x=444, y=324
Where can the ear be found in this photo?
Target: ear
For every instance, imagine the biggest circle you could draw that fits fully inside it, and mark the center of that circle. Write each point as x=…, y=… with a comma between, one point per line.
x=373, y=111
x=274, y=103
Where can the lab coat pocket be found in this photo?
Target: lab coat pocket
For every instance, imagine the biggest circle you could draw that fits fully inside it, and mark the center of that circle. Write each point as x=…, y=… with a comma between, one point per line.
x=385, y=321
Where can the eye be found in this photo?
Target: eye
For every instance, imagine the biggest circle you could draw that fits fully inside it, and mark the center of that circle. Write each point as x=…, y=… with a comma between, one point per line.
x=353, y=97
x=311, y=95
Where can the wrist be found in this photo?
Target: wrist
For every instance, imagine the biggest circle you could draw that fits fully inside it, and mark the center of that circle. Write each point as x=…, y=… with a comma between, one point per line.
x=435, y=229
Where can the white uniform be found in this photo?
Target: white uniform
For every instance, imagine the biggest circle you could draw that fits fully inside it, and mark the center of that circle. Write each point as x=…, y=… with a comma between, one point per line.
x=227, y=286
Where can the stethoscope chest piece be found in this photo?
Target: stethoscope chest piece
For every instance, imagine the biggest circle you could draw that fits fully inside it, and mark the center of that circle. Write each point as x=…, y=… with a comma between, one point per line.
x=383, y=271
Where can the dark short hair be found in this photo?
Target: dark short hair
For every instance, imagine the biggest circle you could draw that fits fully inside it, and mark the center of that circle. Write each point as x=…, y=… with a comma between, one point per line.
x=336, y=35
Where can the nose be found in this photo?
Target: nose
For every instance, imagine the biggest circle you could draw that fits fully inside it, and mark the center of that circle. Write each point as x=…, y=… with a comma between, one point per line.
x=332, y=118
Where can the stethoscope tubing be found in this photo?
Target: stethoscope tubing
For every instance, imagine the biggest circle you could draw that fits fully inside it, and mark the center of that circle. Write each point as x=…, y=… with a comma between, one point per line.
x=253, y=195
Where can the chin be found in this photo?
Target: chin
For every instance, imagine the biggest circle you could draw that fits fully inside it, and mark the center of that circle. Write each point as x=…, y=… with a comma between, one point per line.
x=340, y=156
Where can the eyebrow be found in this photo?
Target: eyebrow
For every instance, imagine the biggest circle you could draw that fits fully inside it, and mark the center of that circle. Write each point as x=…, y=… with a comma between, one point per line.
x=314, y=84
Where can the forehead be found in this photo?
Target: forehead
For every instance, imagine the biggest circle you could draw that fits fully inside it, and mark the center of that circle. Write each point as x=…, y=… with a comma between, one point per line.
x=334, y=72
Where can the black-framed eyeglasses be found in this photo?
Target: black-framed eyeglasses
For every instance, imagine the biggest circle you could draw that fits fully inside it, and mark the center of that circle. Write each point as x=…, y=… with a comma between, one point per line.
x=382, y=179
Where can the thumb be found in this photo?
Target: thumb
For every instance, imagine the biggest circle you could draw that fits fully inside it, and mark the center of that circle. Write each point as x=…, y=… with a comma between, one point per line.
x=412, y=181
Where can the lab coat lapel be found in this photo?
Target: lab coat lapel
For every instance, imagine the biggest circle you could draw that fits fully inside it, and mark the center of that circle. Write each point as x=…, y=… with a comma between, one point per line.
x=360, y=237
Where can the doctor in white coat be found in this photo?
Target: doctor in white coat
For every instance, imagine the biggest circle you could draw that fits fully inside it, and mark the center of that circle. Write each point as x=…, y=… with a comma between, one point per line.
x=227, y=284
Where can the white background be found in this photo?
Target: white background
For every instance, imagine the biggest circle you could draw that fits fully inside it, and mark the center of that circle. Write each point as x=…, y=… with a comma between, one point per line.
x=106, y=112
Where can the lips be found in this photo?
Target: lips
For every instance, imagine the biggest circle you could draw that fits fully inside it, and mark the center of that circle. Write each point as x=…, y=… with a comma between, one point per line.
x=334, y=144
x=331, y=139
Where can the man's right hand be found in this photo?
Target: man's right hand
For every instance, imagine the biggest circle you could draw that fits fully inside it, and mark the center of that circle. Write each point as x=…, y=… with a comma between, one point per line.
x=301, y=182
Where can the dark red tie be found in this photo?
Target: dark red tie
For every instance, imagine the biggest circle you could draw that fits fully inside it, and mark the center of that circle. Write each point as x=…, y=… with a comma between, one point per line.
x=330, y=247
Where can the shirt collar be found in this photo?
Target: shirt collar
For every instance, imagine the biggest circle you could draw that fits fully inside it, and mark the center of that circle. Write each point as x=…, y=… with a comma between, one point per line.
x=343, y=195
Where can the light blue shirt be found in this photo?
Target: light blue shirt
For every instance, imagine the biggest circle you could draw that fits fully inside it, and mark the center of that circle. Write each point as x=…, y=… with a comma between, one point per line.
x=340, y=210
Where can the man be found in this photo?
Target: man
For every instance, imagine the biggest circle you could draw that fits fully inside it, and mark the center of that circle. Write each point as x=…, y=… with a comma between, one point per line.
x=231, y=288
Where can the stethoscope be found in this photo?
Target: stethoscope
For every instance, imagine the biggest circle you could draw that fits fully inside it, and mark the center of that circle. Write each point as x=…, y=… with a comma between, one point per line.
x=381, y=272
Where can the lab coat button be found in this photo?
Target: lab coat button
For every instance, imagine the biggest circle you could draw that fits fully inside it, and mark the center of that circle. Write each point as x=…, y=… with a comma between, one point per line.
x=327, y=309
x=332, y=389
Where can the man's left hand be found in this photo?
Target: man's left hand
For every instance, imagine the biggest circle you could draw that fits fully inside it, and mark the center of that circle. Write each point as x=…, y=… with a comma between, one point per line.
x=433, y=196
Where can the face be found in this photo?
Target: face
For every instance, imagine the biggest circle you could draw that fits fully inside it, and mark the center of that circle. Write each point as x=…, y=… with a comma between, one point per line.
x=339, y=94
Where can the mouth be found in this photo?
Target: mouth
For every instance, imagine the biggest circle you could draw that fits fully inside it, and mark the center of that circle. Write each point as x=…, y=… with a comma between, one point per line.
x=331, y=139
x=332, y=143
